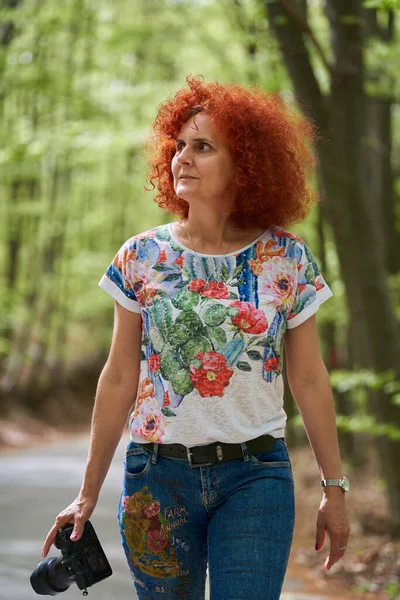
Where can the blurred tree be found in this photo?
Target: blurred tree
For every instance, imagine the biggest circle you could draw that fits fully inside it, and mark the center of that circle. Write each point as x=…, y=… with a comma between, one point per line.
x=364, y=242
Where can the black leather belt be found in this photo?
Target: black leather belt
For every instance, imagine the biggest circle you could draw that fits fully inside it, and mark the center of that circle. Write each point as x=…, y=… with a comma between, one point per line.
x=214, y=453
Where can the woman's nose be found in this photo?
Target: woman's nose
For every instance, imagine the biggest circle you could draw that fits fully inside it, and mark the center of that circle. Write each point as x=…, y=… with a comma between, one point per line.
x=184, y=157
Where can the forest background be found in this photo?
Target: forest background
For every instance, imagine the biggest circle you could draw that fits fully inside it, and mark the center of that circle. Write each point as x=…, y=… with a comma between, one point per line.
x=80, y=84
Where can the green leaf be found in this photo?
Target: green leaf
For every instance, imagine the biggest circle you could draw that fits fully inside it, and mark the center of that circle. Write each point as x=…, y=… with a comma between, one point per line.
x=182, y=284
x=263, y=343
x=224, y=272
x=167, y=412
x=237, y=270
x=254, y=355
x=243, y=366
x=161, y=267
x=172, y=277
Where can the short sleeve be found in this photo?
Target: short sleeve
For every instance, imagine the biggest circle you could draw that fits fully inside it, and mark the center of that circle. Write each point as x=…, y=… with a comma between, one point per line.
x=312, y=290
x=120, y=278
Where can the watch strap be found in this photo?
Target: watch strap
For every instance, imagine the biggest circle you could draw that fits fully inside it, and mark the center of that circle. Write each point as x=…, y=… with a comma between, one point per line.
x=326, y=482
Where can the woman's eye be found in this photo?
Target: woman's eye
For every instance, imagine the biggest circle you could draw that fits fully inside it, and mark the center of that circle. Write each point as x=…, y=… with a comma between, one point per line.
x=201, y=146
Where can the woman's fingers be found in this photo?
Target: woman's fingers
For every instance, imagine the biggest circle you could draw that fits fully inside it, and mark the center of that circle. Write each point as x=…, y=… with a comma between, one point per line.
x=321, y=532
x=78, y=528
x=60, y=522
x=77, y=514
x=338, y=547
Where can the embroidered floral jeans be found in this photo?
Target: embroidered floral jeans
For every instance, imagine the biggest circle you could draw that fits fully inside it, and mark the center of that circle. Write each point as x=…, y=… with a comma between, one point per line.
x=237, y=517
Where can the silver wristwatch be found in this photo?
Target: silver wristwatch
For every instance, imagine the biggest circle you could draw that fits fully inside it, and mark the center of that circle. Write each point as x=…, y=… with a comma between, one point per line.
x=344, y=483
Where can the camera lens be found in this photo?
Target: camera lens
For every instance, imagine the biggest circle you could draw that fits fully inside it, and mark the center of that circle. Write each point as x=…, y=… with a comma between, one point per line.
x=50, y=577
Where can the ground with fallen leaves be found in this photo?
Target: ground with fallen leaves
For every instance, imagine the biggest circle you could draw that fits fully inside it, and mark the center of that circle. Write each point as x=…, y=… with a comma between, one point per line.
x=370, y=569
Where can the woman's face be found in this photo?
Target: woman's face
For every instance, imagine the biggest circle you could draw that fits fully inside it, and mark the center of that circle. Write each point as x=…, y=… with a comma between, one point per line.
x=203, y=166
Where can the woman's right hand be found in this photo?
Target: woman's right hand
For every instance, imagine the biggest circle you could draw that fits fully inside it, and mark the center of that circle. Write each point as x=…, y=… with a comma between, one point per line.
x=77, y=513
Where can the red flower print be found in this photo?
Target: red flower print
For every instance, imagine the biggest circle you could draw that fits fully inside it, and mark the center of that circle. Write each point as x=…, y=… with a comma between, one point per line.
x=272, y=364
x=166, y=399
x=178, y=261
x=214, y=289
x=212, y=376
x=319, y=283
x=157, y=540
x=154, y=362
x=196, y=285
x=162, y=258
x=249, y=318
x=152, y=509
x=132, y=505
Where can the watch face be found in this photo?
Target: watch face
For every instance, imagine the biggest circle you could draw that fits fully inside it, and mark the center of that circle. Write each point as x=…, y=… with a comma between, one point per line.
x=346, y=484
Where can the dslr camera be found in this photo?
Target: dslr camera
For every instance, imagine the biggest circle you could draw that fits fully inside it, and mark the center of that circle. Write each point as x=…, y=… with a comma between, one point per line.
x=82, y=562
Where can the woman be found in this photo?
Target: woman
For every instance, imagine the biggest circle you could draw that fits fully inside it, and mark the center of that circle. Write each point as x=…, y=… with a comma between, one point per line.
x=203, y=307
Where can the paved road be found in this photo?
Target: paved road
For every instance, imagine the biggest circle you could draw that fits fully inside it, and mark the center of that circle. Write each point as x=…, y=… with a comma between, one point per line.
x=34, y=486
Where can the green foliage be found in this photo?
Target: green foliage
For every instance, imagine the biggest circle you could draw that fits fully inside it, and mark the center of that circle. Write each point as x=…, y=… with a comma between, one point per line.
x=382, y=4
x=344, y=381
x=359, y=423
x=393, y=590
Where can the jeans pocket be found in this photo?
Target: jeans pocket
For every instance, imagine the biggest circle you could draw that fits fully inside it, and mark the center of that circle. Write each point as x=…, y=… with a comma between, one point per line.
x=259, y=459
x=277, y=457
x=137, y=462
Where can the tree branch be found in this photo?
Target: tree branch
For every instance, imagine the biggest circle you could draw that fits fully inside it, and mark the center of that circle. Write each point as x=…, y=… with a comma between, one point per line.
x=304, y=26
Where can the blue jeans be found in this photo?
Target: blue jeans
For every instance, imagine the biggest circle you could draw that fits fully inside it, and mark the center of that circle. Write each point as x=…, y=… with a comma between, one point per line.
x=237, y=515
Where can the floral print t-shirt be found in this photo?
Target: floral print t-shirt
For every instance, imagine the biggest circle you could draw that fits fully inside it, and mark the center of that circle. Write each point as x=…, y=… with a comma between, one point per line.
x=211, y=362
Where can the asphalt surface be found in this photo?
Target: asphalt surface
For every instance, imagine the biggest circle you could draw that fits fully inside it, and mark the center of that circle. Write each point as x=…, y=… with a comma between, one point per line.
x=35, y=484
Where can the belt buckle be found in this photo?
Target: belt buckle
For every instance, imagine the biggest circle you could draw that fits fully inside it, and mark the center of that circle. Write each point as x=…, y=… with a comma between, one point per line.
x=192, y=464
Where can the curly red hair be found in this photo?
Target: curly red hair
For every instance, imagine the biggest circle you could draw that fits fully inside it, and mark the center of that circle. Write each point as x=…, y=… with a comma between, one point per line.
x=270, y=141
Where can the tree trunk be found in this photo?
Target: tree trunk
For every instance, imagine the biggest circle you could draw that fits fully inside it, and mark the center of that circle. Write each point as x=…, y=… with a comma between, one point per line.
x=379, y=175
x=333, y=360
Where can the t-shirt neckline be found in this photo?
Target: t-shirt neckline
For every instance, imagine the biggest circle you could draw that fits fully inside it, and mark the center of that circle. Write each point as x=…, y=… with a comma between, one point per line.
x=234, y=253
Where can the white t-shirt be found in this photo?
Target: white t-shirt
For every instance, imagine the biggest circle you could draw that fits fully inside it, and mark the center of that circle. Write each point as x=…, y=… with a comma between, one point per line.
x=212, y=355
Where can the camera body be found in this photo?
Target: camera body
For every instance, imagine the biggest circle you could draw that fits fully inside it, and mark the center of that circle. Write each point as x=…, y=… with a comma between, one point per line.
x=82, y=561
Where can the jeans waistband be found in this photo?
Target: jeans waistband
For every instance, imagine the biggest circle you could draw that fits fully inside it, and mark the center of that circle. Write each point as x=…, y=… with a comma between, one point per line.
x=216, y=452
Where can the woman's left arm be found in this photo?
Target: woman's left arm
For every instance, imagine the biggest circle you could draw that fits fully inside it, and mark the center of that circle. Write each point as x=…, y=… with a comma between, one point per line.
x=310, y=385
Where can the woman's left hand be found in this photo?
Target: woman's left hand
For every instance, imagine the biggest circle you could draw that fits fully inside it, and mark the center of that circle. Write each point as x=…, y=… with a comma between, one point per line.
x=332, y=518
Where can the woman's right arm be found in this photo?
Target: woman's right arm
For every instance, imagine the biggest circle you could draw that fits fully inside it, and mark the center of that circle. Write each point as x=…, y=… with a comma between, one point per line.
x=115, y=395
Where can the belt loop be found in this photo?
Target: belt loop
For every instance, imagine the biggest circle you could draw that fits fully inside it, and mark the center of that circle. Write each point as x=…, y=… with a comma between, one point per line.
x=245, y=452
x=154, y=455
